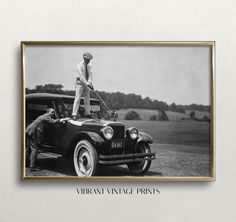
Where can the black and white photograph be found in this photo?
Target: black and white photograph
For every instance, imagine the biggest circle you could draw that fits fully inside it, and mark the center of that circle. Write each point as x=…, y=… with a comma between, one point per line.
x=118, y=110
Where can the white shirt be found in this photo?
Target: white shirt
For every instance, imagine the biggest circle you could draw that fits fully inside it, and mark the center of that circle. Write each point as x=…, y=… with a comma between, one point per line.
x=80, y=68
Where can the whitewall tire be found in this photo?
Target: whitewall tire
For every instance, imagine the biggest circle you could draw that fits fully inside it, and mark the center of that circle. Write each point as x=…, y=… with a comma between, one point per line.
x=85, y=159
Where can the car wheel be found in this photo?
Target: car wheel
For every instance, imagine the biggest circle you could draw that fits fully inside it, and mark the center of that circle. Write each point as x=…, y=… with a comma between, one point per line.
x=141, y=167
x=85, y=159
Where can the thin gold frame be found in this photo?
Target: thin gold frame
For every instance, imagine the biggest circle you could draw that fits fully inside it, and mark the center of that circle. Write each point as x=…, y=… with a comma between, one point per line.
x=211, y=44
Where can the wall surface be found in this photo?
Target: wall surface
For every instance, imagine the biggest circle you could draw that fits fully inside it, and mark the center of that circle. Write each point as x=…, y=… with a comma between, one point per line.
x=117, y=20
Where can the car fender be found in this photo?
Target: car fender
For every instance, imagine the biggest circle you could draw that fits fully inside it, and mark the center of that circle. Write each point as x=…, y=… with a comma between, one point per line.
x=144, y=137
x=93, y=137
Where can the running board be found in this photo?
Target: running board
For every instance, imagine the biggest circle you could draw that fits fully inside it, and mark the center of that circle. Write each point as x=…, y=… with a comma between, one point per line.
x=51, y=155
x=46, y=150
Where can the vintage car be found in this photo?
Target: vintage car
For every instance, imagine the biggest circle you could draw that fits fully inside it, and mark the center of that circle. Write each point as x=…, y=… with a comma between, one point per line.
x=89, y=142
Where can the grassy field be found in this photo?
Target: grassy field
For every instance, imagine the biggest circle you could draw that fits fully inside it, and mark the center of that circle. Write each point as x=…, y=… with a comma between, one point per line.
x=173, y=116
x=171, y=160
x=182, y=147
x=175, y=131
x=180, y=160
x=183, y=132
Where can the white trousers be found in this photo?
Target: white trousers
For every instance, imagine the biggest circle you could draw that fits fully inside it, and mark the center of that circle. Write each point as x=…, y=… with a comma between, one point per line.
x=79, y=91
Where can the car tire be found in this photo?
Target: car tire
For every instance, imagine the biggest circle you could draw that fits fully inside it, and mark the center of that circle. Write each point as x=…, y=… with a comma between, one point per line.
x=141, y=167
x=85, y=159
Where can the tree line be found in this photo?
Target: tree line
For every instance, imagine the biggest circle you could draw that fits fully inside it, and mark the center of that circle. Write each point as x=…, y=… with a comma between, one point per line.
x=118, y=100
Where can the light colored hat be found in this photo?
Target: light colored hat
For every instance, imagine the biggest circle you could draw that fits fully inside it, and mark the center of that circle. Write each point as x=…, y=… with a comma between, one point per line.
x=87, y=55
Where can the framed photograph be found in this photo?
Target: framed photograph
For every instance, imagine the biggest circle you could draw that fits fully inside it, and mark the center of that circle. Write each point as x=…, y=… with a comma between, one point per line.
x=130, y=111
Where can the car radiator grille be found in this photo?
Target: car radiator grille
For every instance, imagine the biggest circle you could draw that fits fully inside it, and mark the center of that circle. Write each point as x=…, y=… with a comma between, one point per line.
x=119, y=132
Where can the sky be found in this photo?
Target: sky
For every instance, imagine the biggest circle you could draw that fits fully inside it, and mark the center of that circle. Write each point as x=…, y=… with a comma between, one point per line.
x=179, y=74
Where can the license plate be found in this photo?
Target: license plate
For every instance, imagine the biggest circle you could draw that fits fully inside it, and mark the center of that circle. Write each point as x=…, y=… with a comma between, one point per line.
x=116, y=144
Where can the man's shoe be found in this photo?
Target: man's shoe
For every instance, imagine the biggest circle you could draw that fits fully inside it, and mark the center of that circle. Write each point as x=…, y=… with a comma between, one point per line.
x=74, y=117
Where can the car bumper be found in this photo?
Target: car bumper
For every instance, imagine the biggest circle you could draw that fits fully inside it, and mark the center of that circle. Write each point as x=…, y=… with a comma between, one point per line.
x=125, y=158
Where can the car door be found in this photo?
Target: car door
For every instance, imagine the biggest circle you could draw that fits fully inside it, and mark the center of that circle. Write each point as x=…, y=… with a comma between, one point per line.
x=58, y=129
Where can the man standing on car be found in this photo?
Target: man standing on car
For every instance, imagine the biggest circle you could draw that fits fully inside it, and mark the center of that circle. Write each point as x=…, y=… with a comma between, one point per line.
x=36, y=135
x=83, y=85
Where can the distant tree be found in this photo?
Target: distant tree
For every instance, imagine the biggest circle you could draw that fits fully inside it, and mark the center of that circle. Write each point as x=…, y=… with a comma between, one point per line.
x=50, y=88
x=118, y=100
x=205, y=119
x=40, y=88
x=163, y=106
x=197, y=107
x=155, y=104
x=153, y=118
x=180, y=109
x=132, y=115
x=69, y=92
x=147, y=103
x=192, y=114
x=176, y=108
x=132, y=101
x=162, y=116
x=173, y=107
x=27, y=91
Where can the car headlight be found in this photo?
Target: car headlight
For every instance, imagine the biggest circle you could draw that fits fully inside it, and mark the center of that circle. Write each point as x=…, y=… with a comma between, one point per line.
x=133, y=133
x=107, y=132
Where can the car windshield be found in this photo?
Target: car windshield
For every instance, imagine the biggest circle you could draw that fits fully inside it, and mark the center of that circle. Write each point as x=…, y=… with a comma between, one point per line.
x=36, y=108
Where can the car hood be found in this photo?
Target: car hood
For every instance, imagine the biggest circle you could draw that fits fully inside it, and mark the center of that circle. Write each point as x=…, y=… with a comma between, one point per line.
x=98, y=122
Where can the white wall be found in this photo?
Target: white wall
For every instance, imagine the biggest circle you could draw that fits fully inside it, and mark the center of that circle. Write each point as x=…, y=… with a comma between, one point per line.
x=117, y=20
